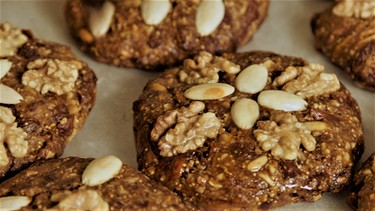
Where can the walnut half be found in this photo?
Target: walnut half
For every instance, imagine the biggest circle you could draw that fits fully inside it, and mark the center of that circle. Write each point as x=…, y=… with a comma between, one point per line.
x=283, y=135
x=190, y=129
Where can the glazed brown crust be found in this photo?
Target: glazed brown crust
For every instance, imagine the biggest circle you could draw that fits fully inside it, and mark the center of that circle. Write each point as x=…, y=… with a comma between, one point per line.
x=214, y=176
x=130, y=42
x=362, y=195
x=349, y=43
x=128, y=190
x=50, y=120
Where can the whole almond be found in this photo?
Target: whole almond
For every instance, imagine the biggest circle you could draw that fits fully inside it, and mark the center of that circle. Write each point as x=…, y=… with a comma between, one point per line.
x=5, y=66
x=210, y=14
x=252, y=79
x=211, y=91
x=281, y=100
x=101, y=170
x=9, y=95
x=245, y=112
x=14, y=202
x=100, y=18
x=154, y=11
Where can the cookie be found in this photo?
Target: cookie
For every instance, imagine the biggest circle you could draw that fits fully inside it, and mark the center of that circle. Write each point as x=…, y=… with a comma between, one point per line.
x=75, y=183
x=345, y=33
x=362, y=195
x=152, y=35
x=252, y=130
x=46, y=96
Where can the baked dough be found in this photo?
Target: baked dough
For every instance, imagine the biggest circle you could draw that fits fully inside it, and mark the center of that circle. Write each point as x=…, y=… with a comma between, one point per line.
x=345, y=33
x=61, y=184
x=362, y=194
x=46, y=96
x=119, y=33
x=252, y=130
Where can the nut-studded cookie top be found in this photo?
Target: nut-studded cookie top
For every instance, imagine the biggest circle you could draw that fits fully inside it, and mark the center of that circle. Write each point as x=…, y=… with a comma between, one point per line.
x=73, y=183
x=148, y=34
x=345, y=32
x=248, y=130
x=46, y=95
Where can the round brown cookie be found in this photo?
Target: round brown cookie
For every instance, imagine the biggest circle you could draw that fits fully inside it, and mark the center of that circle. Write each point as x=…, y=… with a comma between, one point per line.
x=252, y=130
x=46, y=96
x=345, y=33
x=74, y=183
x=362, y=196
x=154, y=34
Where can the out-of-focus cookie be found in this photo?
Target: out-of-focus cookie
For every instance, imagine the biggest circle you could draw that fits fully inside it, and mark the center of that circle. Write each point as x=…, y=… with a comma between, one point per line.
x=74, y=183
x=252, y=130
x=345, y=33
x=362, y=195
x=46, y=94
x=153, y=34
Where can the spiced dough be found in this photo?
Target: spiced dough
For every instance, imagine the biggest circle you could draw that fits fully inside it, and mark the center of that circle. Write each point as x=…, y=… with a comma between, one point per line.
x=58, y=184
x=345, y=33
x=46, y=96
x=362, y=193
x=116, y=32
x=225, y=137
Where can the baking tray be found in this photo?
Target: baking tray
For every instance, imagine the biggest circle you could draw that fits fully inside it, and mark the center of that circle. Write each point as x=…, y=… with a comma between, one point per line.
x=109, y=128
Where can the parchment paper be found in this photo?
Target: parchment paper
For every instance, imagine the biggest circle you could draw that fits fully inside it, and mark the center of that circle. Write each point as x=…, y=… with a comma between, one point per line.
x=108, y=129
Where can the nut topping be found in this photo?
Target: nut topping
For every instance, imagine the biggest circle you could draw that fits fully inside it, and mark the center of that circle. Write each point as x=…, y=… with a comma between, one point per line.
x=252, y=79
x=83, y=200
x=283, y=134
x=257, y=163
x=14, y=202
x=353, y=8
x=101, y=170
x=5, y=66
x=100, y=18
x=10, y=39
x=245, y=112
x=281, y=100
x=190, y=131
x=51, y=75
x=154, y=11
x=7, y=94
x=209, y=15
x=212, y=91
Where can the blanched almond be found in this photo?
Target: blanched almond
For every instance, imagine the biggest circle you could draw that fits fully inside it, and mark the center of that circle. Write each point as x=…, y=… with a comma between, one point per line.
x=209, y=15
x=5, y=66
x=14, y=202
x=100, y=18
x=211, y=91
x=245, y=112
x=101, y=170
x=252, y=79
x=9, y=95
x=281, y=100
x=154, y=11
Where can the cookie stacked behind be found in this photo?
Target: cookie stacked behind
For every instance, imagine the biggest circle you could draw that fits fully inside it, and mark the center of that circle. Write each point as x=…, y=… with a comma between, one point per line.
x=46, y=96
x=362, y=196
x=154, y=34
x=74, y=183
x=253, y=130
x=345, y=33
